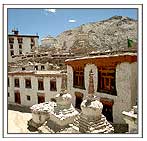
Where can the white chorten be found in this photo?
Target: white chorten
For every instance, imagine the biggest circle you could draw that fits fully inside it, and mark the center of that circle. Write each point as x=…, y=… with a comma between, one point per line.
x=91, y=120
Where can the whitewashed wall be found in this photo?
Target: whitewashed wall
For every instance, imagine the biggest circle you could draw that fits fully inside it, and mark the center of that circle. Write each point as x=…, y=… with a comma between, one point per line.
x=32, y=92
x=126, y=86
x=26, y=47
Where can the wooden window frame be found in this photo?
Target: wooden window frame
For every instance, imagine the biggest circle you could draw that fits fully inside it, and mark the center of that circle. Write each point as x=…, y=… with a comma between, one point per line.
x=53, y=85
x=11, y=52
x=11, y=46
x=28, y=98
x=28, y=83
x=20, y=46
x=20, y=40
x=78, y=78
x=23, y=68
x=42, y=67
x=16, y=82
x=40, y=84
x=106, y=80
x=11, y=40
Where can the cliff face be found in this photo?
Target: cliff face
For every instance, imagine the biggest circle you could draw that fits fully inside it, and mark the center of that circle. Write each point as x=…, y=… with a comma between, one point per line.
x=110, y=34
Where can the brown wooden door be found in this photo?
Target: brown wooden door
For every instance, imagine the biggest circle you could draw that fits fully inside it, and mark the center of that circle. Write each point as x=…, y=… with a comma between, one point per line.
x=17, y=98
x=79, y=99
x=41, y=99
x=107, y=109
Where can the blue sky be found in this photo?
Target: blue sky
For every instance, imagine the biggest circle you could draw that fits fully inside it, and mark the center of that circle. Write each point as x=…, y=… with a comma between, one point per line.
x=54, y=21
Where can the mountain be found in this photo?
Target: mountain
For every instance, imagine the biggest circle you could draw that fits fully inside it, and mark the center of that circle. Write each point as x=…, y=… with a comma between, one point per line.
x=110, y=34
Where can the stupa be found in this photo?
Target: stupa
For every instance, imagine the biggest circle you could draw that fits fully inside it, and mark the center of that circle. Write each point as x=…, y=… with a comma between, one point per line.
x=91, y=119
x=64, y=112
x=131, y=118
x=57, y=114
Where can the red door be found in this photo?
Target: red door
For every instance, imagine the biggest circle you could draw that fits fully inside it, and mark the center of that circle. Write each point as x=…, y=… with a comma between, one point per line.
x=17, y=98
x=41, y=99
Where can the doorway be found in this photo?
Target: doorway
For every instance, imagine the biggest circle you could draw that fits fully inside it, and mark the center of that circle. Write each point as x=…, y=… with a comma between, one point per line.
x=79, y=99
x=107, y=108
x=41, y=99
x=17, y=98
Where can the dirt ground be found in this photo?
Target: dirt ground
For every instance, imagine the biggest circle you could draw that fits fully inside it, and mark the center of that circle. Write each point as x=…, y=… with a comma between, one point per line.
x=17, y=122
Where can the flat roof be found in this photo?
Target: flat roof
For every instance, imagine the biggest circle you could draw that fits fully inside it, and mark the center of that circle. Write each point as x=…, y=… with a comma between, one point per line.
x=19, y=35
x=102, y=60
x=101, y=56
x=37, y=73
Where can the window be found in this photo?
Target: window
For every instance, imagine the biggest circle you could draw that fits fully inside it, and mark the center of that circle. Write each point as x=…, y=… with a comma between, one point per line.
x=106, y=80
x=11, y=40
x=28, y=83
x=11, y=46
x=40, y=84
x=23, y=68
x=16, y=82
x=28, y=98
x=19, y=40
x=78, y=78
x=53, y=85
x=8, y=94
x=32, y=40
x=12, y=52
x=42, y=68
x=8, y=83
x=32, y=46
x=20, y=51
x=20, y=46
x=36, y=67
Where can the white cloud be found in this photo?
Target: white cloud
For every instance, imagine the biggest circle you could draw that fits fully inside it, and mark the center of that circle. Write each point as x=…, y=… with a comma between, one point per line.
x=71, y=21
x=51, y=10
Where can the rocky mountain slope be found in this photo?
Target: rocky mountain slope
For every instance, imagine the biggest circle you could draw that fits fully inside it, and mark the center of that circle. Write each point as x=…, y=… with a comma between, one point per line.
x=110, y=34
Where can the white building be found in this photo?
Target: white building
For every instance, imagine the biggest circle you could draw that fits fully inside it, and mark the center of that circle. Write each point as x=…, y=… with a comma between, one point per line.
x=31, y=87
x=115, y=82
x=20, y=44
x=48, y=41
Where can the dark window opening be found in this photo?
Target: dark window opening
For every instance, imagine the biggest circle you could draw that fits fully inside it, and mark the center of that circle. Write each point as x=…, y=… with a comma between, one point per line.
x=23, y=68
x=16, y=82
x=107, y=112
x=8, y=94
x=32, y=40
x=12, y=52
x=40, y=85
x=28, y=83
x=53, y=85
x=11, y=40
x=11, y=46
x=32, y=46
x=20, y=40
x=42, y=67
x=106, y=80
x=78, y=78
x=20, y=46
x=28, y=98
x=8, y=83
x=53, y=100
x=36, y=67
x=20, y=51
